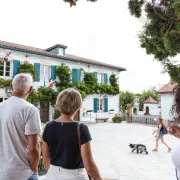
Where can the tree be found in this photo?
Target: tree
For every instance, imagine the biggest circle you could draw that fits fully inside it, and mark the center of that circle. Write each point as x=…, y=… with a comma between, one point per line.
x=125, y=99
x=145, y=95
x=160, y=35
x=73, y=2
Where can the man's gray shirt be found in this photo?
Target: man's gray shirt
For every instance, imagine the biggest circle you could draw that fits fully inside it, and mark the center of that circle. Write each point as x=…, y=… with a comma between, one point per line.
x=18, y=118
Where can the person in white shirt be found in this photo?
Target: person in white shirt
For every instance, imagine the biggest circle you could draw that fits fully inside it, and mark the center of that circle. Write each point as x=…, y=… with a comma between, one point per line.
x=19, y=133
x=174, y=130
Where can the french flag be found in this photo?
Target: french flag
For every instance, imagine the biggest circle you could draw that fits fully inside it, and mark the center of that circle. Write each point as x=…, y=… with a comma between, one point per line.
x=51, y=82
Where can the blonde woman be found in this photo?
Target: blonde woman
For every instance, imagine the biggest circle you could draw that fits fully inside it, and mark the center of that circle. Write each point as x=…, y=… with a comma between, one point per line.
x=160, y=135
x=62, y=157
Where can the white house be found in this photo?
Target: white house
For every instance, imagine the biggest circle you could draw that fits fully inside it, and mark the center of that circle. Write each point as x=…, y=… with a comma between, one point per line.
x=151, y=107
x=45, y=62
x=167, y=100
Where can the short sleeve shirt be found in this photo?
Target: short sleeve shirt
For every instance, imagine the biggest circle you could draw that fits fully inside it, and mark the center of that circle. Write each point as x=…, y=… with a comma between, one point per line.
x=62, y=141
x=18, y=118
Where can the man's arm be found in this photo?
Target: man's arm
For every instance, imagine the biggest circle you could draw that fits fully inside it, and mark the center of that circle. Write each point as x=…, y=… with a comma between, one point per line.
x=33, y=151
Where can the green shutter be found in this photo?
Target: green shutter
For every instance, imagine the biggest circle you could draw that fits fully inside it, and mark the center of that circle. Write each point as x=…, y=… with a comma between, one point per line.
x=76, y=75
x=95, y=73
x=105, y=78
x=95, y=105
x=53, y=73
x=106, y=105
x=16, y=65
x=37, y=69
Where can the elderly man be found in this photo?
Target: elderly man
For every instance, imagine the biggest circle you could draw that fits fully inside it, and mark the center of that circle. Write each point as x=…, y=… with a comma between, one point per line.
x=19, y=133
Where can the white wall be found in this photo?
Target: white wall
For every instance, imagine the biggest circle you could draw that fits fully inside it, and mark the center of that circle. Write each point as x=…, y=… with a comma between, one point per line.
x=88, y=104
x=2, y=93
x=153, y=109
x=166, y=104
x=54, y=61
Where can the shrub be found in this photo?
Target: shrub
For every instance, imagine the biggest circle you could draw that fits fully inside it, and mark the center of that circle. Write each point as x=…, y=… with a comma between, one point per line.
x=117, y=119
x=41, y=169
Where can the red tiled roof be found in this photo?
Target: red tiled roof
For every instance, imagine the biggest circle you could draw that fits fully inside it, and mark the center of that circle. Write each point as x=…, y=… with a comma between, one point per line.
x=91, y=61
x=150, y=100
x=39, y=51
x=168, y=88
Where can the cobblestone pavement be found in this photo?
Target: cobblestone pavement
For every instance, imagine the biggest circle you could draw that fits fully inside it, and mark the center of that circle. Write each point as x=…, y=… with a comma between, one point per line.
x=115, y=160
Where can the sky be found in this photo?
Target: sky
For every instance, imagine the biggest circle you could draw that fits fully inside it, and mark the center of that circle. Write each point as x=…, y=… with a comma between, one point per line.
x=103, y=31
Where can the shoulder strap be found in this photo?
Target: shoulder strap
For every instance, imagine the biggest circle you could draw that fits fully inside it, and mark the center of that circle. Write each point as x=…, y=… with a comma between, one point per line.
x=79, y=138
x=79, y=143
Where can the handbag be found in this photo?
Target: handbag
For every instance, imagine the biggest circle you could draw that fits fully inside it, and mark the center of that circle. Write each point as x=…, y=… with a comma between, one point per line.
x=79, y=143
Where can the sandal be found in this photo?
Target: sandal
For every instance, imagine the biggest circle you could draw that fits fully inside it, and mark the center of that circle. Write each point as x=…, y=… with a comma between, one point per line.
x=155, y=150
x=169, y=149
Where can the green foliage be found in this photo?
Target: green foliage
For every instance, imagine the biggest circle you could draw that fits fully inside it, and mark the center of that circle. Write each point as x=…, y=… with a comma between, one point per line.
x=90, y=86
x=125, y=99
x=117, y=119
x=47, y=94
x=33, y=98
x=113, y=80
x=135, y=7
x=5, y=82
x=90, y=78
x=27, y=67
x=64, y=73
x=145, y=95
x=41, y=169
x=70, y=1
x=160, y=35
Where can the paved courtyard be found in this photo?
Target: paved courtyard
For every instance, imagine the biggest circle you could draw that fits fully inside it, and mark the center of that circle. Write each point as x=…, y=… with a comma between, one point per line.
x=114, y=157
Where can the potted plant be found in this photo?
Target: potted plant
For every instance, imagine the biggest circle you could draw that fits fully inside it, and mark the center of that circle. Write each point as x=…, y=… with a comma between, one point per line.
x=117, y=119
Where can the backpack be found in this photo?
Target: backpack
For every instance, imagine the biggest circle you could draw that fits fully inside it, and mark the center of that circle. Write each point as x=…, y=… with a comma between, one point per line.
x=165, y=131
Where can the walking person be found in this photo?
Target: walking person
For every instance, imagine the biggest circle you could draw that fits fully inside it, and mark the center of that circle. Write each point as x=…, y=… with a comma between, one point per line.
x=64, y=158
x=160, y=135
x=19, y=133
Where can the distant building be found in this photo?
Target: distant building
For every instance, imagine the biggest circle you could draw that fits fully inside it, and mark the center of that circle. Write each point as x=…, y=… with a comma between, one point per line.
x=151, y=107
x=167, y=100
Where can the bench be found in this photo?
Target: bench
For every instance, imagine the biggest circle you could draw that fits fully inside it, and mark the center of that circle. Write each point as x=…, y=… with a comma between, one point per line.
x=101, y=120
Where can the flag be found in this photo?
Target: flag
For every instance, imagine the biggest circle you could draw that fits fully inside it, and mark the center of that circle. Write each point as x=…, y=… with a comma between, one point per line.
x=51, y=82
x=73, y=3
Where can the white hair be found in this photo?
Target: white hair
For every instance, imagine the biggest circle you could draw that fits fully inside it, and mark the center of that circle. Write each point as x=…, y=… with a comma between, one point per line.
x=22, y=81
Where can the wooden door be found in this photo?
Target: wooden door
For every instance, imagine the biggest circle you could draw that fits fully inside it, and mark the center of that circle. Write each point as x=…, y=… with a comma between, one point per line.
x=44, y=112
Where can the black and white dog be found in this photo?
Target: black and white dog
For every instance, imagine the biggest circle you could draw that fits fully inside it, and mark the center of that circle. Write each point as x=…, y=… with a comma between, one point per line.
x=139, y=148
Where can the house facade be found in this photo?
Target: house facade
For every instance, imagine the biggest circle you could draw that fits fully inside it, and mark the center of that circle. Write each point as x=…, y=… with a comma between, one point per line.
x=167, y=100
x=152, y=107
x=45, y=62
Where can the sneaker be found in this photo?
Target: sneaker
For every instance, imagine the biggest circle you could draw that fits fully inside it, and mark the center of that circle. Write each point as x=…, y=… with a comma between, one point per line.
x=169, y=149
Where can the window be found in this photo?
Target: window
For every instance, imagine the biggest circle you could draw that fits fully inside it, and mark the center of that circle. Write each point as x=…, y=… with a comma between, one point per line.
x=100, y=77
x=61, y=51
x=100, y=105
x=5, y=69
x=45, y=73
